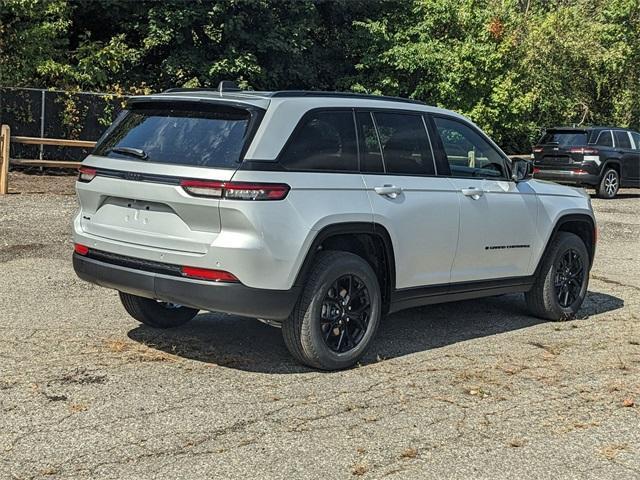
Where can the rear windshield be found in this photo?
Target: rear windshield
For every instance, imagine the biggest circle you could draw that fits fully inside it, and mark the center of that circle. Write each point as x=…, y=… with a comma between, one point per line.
x=564, y=138
x=205, y=137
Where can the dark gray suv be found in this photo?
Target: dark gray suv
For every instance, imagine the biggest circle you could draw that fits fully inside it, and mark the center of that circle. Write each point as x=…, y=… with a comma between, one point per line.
x=605, y=158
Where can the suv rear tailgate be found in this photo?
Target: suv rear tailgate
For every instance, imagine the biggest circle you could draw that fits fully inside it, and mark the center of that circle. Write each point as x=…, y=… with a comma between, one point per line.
x=149, y=213
x=136, y=197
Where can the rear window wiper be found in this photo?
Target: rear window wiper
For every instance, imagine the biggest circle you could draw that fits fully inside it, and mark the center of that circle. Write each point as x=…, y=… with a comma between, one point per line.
x=132, y=152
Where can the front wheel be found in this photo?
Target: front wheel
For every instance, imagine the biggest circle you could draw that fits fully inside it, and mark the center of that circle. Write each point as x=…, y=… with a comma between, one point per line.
x=155, y=313
x=337, y=314
x=609, y=184
x=561, y=284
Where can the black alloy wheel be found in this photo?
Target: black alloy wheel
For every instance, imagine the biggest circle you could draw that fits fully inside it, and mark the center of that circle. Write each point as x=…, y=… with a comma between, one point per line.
x=345, y=313
x=569, y=277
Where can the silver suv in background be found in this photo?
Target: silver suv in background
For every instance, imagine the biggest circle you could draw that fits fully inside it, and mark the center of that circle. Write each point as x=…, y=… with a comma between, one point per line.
x=321, y=213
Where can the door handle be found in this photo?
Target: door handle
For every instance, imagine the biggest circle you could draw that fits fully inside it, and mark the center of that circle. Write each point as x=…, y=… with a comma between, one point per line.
x=473, y=192
x=390, y=191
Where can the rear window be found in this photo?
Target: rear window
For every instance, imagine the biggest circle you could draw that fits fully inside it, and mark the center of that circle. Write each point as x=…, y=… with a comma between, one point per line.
x=564, y=138
x=203, y=136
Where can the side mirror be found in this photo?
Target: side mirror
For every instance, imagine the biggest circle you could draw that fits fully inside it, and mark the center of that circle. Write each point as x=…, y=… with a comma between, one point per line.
x=521, y=169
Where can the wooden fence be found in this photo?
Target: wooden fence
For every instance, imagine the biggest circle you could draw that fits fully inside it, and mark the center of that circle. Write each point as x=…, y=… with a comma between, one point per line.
x=5, y=142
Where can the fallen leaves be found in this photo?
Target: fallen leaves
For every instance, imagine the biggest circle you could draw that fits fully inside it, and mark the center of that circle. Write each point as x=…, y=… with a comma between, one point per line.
x=628, y=402
x=611, y=451
x=409, y=453
x=138, y=351
x=478, y=392
x=359, y=469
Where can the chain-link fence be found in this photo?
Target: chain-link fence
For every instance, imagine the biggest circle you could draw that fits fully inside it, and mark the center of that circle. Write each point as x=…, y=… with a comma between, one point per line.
x=56, y=114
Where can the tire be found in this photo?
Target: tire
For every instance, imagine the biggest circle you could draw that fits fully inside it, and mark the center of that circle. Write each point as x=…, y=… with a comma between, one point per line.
x=609, y=184
x=320, y=328
x=551, y=302
x=155, y=313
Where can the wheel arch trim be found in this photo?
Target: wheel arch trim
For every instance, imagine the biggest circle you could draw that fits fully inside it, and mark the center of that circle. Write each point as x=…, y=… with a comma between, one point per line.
x=564, y=219
x=348, y=228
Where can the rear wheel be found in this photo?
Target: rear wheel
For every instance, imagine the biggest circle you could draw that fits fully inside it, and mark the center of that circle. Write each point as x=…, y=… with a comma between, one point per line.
x=337, y=314
x=156, y=313
x=561, y=284
x=609, y=184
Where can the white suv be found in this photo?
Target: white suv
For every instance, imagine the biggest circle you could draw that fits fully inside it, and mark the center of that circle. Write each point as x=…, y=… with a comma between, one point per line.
x=320, y=213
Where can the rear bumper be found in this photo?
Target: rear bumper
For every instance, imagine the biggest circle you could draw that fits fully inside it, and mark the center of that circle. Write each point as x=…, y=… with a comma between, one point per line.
x=233, y=298
x=567, y=176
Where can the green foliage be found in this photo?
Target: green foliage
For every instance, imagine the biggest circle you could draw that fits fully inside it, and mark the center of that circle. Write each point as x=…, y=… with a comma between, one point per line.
x=513, y=66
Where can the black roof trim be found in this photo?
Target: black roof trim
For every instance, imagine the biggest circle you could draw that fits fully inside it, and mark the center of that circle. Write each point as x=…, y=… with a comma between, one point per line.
x=298, y=94
x=364, y=96
x=589, y=127
x=181, y=89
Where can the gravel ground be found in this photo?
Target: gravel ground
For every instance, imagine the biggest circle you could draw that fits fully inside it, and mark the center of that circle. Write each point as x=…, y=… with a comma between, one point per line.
x=473, y=389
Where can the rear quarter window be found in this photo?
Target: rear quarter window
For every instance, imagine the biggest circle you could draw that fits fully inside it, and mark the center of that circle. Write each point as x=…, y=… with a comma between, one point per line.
x=622, y=139
x=605, y=139
x=324, y=141
x=206, y=136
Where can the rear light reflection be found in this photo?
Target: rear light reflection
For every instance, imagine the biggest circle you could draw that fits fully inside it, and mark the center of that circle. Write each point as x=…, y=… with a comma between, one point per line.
x=80, y=249
x=584, y=150
x=207, y=274
x=536, y=170
x=235, y=190
x=86, y=174
x=538, y=149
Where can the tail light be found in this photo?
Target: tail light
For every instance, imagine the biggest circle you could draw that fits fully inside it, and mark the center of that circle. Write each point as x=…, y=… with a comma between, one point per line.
x=584, y=150
x=235, y=190
x=80, y=249
x=86, y=174
x=538, y=149
x=536, y=170
x=207, y=274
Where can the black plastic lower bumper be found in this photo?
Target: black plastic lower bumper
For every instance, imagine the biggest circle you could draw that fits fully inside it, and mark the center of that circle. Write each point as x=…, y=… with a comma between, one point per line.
x=233, y=298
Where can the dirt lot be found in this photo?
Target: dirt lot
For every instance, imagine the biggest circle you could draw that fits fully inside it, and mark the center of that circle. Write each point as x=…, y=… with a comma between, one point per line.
x=475, y=389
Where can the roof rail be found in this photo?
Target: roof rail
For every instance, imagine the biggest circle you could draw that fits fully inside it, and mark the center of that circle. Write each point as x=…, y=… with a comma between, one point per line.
x=226, y=86
x=223, y=86
x=313, y=93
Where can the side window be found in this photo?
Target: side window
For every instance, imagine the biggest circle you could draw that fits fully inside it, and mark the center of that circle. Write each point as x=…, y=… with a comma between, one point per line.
x=405, y=143
x=636, y=139
x=605, y=139
x=370, y=151
x=325, y=140
x=622, y=140
x=468, y=154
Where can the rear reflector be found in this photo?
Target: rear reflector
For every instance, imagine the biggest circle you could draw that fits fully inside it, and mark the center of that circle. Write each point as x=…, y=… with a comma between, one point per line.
x=207, y=274
x=80, y=249
x=235, y=190
x=86, y=174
